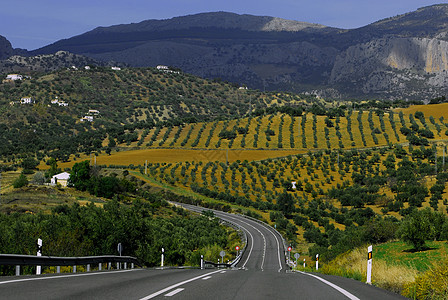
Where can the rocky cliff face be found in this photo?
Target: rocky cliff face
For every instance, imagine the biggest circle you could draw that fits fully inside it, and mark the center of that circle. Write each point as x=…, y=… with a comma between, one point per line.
x=393, y=66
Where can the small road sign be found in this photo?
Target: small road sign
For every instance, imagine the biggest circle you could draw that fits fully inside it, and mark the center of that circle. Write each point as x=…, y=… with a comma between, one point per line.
x=289, y=248
x=237, y=248
x=296, y=255
x=222, y=253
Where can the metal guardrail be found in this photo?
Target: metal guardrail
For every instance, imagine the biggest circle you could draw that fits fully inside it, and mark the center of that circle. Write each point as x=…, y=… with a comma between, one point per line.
x=17, y=259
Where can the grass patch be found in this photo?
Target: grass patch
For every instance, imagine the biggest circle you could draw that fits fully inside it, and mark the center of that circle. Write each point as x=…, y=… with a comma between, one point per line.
x=401, y=253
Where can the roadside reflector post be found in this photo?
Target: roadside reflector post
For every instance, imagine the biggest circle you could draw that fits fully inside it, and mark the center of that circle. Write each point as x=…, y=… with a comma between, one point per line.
x=58, y=269
x=39, y=253
x=202, y=262
x=304, y=263
x=317, y=262
x=369, y=265
x=18, y=270
x=88, y=267
x=163, y=251
x=74, y=269
x=100, y=266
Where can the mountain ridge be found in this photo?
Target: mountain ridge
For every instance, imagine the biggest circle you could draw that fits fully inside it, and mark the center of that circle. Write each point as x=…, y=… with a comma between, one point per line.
x=277, y=54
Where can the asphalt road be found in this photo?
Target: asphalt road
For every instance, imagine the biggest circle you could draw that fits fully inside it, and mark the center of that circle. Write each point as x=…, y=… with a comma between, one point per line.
x=260, y=274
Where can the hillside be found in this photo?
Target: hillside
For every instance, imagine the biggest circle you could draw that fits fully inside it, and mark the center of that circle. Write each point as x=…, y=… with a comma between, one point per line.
x=399, y=57
x=75, y=110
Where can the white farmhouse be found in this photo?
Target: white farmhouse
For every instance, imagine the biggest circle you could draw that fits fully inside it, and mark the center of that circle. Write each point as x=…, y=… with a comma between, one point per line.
x=87, y=118
x=26, y=100
x=93, y=112
x=61, y=178
x=14, y=77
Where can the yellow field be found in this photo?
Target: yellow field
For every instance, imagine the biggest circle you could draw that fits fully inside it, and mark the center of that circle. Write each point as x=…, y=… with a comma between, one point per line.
x=138, y=157
x=435, y=110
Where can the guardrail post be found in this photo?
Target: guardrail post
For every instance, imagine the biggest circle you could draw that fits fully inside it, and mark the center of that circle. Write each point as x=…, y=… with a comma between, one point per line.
x=88, y=267
x=118, y=266
x=58, y=269
x=74, y=269
x=125, y=265
x=100, y=266
x=109, y=266
x=18, y=270
x=132, y=265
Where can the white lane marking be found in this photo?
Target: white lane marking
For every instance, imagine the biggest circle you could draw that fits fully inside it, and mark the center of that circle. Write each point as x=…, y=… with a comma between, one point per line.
x=208, y=277
x=223, y=272
x=339, y=289
x=278, y=247
x=176, y=285
x=172, y=293
x=66, y=276
x=264, y=242
x=251, y=247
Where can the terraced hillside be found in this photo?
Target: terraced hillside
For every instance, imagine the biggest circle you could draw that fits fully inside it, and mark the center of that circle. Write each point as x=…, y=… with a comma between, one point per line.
x=351, y=129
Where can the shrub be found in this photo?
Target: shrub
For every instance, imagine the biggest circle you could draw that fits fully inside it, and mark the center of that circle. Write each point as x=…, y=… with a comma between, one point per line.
x=20, y=182
x=433, y=284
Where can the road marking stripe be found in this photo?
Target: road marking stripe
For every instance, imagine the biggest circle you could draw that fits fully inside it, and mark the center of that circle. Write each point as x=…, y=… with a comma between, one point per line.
x=278, y=247
x=223, y=272
x=66, y=276
x=339, y=289
x=172, y=293
x=208, y=277
x=264, y=241
x=176, y=285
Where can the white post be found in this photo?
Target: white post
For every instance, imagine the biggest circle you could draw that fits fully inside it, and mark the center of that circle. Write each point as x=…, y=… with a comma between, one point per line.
x=317, y=262
x=39, y=253
x=18, y=270
x=58, y=269
x=74, y=269
x=304, y=263
x=125, y=265
x=369, y=265
x=161, y=264
x=202, y=262
x=146, y=167
x=88, y=267
x=132, y=265
x=100, y=266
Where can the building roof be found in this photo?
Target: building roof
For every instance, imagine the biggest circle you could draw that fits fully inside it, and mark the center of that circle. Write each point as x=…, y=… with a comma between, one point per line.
x=62, y=176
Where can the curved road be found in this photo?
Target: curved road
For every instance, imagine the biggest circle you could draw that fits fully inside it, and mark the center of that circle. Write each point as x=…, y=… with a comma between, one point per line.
x=261, y=274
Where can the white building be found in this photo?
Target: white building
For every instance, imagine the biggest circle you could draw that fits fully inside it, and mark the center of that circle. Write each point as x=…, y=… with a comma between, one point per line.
x=26, y=100
x=14, y=77
x=61, y=178
x=59, y=102
x=87, y=118
x=93, y=112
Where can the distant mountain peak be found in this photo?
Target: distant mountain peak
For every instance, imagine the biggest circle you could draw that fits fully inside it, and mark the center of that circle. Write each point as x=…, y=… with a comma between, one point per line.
x=221, y=19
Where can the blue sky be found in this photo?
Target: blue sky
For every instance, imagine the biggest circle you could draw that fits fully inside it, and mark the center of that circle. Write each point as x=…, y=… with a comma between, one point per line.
x=31, y=24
